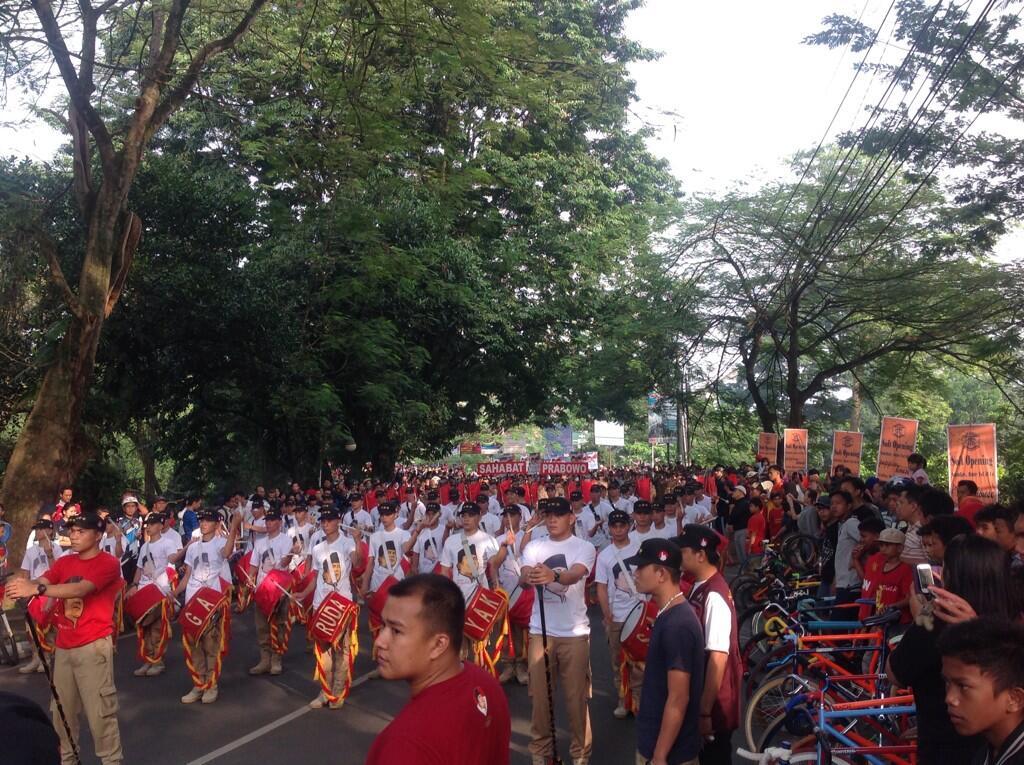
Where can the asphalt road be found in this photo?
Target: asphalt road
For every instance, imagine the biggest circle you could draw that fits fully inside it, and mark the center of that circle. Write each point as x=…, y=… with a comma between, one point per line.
x=266, y=719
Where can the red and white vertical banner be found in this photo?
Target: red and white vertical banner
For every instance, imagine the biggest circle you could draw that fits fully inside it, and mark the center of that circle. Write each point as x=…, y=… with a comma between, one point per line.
x=896, y=442
x=973, y=456
x=794, y=448
x=847, y=447
x=767, y=447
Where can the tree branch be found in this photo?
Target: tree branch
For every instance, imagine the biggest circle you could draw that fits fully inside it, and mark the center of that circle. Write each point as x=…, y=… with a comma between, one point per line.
x=49, y=249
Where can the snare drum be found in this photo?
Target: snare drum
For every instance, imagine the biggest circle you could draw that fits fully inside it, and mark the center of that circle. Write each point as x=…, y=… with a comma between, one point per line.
x=141, y=606
x=520, y=605
x=636, y=630
x=332, y=618
x=198, y=612
x=268, y=595
x=484, y=611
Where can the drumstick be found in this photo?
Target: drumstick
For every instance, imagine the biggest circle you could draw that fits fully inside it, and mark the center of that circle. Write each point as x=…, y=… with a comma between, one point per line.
x=290, y=596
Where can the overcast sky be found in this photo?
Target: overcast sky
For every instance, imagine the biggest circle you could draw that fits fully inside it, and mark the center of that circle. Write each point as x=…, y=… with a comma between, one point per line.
x=734, y=93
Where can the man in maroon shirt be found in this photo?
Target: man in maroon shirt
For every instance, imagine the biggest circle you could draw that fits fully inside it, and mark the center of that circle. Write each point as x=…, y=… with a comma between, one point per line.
x=420, y=643
x=85, y=586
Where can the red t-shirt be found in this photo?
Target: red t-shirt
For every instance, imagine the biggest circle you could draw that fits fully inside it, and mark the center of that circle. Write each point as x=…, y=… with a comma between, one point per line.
x=774, y=520
x=968, y=507
x=885, y=587
x=477, y=728
x=84, y=620
x=755, y=533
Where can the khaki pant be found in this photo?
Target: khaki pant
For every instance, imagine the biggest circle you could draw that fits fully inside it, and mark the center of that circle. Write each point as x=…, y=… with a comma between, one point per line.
x=636, y=671
x=280, y=617
x=151, y=638
x=334, y=662
x=569, y=658
x=84, y=679
x=205, y=651
x=641, y=760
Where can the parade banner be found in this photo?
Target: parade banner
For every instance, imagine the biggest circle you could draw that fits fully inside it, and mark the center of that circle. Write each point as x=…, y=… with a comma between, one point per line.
x=794, y=447
x=469, y=447
x=896, y=442
x=491, y=469
x=767, y=447
x=550, y=467
x=973, y=456
x=847, y=447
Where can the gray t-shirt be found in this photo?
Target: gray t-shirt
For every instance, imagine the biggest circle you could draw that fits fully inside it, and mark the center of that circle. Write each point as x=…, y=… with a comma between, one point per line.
x=808, y=521
x=849, y=537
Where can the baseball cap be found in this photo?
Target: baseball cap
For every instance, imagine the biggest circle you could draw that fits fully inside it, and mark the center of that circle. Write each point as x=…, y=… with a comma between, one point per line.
x=355, y=497
x=88, y=521
x=823, y=500
x=128, y=500
x=658, y=552
x=595, y=487
x=576, y=496
x=698, y=537
x=433, y=495
x=386, y=508
x=433, y=507
x=767, y=486
x=662, y=502
x=43, y=523
x=618, y=516
x=511, y=510
x=482, y=498
x=642, y=506
x=330, y=514
x=741, y=489
x=273, y=514
x=558, y=506
x=892, y=536
x=469, y=508
x=208, y=514
x=154, y=518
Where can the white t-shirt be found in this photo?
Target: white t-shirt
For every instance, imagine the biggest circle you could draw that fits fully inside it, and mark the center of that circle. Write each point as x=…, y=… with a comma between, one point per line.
x=417, y=510
x=617, y=575
x=510, y=568
x=358, y=518
x=428, y=546
x=482, y=547
x=206, y=561
x=717, y=621
x=665, y=532
x=704, y=504
x=305, y=536
x=386, y=549
x=639, y=536
x=583, y=522
x=491, y=523
x=108, y=544
x=35, y=561
x=449, y=512
x=565, y=608
x=268, y=552
x=600, y=540
x=332, y=562
x=622, y=504
x=254, y=536
x=153, y=561
x=696, y=513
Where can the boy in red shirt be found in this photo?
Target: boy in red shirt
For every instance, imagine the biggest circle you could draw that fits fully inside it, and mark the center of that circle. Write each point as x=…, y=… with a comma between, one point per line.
x=887, y=580
x=757, y=527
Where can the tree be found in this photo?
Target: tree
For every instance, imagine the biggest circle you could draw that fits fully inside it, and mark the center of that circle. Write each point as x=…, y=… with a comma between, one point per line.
x=106, y=153
x=803, y=291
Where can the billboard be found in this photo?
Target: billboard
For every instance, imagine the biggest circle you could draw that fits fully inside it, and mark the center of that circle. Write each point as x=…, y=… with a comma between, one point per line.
x=609, y=433
x=662, y=427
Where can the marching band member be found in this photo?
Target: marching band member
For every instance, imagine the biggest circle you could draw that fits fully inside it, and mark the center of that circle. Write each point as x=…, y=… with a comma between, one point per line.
x=332, y=560
x=660, y=527
x=356, y=516
x=302, y=534
x=85, y=586
x=39, y=558
x=617, y=596
x=272, y=552
x=508, y=577
x=470, y=559
x=643, y=520
x=560, y=563
x=411, y=511
x=489, y=521
x=599, y=508
x=154, y=629
x=389, y=546
x=711, y=599
x=204, y=567
x=426, y=553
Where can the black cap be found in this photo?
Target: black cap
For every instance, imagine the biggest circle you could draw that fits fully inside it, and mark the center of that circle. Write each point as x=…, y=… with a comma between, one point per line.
x=387, y=508
x=273, y=514
x=511, y=510
x=433, y=496
x=154, y=518
x=355, y=497
x=208, y=514
x=662, y=502
x=87, y=521
x=558, y=506
x=433, y=507
x=618, y=516
x=43, y=523
x=595, y=487
x=483, y=498
x=330, y=514
x=469, y=508
x=698, y=537
x=576, y=496
x=657, y=552
x=823, y=500
x=642, y=506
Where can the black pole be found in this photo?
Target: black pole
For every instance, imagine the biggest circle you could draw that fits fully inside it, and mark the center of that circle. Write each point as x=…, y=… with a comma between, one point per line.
x=555, y=759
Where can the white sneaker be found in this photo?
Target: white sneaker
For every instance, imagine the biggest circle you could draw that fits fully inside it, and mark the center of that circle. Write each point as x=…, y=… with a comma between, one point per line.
x=142, y=671
x=210, y=694
x=33, y=666
x=506, y=674
x=620, y=712
x=319, y=702
x=275, y=665
x=192, y=696
x=522, y=675
x=156, y=669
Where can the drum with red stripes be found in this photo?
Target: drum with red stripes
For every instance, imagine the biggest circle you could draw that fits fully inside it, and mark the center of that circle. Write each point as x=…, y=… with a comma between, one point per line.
x=520, y=605
x=196, y=615
x=332, y=618
x=484, y=610
x=143, y=603
x=277, y=584
x=636, y=630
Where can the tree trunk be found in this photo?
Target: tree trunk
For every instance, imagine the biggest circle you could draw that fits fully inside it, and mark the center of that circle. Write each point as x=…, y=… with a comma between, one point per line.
x=856, y=406
x=796, y=412
x=142, y=440
x=43, y=460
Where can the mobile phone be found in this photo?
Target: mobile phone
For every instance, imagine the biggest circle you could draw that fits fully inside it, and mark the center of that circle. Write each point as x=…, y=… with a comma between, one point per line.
x=925, y=578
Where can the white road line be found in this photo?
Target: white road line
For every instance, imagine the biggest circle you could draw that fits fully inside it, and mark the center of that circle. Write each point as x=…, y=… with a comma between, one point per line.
x=249, y=737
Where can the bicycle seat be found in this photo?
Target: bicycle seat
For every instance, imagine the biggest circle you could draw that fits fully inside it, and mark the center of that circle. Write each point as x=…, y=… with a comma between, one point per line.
x=887, y=617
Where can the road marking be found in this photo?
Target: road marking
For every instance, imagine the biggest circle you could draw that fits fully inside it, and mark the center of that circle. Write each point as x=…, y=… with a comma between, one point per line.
x=250, y=737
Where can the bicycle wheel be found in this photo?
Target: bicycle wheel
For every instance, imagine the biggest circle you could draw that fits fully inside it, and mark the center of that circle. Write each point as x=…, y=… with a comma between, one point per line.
x=800, y=551
x=765, y=708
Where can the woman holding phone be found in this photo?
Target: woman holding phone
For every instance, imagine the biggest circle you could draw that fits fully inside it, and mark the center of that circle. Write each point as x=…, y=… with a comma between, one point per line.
x=976, y=574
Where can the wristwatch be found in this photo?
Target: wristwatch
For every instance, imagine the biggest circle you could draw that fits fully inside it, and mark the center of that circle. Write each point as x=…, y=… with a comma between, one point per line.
x=41, y=589
x=557, y=574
